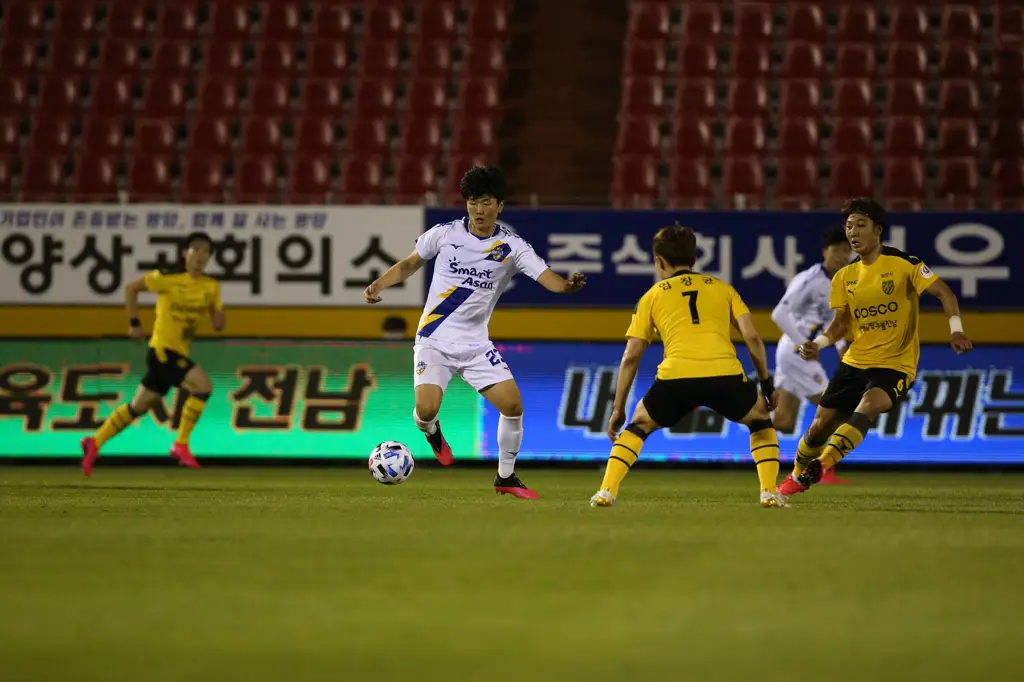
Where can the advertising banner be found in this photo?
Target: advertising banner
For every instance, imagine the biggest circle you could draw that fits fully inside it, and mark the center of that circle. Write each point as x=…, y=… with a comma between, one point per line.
x=269, y=400
x=265, y=256
x=758, y=253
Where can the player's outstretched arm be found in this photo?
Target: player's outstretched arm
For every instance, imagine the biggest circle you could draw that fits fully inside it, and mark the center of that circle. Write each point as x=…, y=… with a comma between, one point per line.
x=131, y=305
x=759, y=356
x=553, y=282
x=627, y=375
x=836, y=330
x=396, y=274
x=958, y=340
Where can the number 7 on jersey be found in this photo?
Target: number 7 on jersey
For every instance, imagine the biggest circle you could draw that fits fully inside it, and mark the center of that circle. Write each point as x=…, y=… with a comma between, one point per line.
x=694, y=315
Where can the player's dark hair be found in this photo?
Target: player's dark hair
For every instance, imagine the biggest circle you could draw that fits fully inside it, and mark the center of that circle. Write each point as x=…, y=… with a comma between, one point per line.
x=198, y=237
x=483, y=181
x=866, y=206
x=179, y=267
x=677, y=245
x=833, y=235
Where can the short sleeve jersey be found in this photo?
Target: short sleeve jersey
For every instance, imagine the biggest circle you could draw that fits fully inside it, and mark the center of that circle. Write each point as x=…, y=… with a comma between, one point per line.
x=694, y=315
x=470, y=274
x=883, y=301
x=181, y=302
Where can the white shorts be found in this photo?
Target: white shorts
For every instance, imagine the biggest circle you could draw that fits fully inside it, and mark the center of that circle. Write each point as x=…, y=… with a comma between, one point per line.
x=436, y=362
x=802, y=378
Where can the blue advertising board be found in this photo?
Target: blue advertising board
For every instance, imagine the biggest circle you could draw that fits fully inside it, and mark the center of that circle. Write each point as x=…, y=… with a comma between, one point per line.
x=758, y=253
x=963, y=409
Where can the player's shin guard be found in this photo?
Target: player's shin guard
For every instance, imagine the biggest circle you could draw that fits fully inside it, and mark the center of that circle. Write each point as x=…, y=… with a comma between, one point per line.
x=115, y=424
x=190, y=414
x=848, y=436
x=806, y=452
x=623, y=456
x=510, y=438
x=764, y=448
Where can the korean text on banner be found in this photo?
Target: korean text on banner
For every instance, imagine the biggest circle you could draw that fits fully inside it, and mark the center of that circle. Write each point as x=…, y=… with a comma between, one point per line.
x=265, y=256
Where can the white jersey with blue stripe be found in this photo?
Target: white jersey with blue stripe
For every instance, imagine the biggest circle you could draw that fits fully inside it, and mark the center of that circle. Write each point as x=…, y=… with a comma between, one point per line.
x=470, y=274
x=805, y=306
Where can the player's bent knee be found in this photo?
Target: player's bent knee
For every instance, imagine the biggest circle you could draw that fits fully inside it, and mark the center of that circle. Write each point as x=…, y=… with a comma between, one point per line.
x=513, y=410
x=427, y=411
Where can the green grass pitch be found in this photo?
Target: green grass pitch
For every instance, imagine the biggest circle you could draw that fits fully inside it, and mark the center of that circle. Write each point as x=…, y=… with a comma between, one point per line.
x=258, y=575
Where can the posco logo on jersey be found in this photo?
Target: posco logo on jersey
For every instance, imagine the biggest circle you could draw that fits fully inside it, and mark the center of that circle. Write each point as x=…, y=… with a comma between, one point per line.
x=473, y=277
x=188, y=309
x=875, y=310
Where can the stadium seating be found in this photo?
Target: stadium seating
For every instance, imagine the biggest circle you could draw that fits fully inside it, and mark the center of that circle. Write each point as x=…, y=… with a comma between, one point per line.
x=279, y=100
x=803, y=104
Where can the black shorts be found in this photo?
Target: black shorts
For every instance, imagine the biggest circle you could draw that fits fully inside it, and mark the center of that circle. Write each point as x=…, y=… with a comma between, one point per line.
x=849, y=384
x=161, y=376
x=669, y=400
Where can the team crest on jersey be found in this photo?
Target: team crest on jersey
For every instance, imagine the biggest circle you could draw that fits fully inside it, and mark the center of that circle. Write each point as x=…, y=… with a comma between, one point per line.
x=498, y=253
x=421, y=367
x=888, y=287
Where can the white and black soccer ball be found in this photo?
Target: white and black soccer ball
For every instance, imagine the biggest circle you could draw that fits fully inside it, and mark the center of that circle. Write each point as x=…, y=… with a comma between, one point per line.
x=391, y=463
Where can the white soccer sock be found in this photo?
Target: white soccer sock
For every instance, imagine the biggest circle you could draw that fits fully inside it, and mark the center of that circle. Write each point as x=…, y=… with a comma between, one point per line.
x=428, y=428
x=510, y=438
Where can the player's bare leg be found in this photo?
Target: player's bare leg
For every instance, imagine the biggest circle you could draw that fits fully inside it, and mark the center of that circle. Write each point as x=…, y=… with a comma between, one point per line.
x=764, y=448
x=626, y=447
x=506, y=398
x=199, y=386
x=141, y=403
x=428, y=404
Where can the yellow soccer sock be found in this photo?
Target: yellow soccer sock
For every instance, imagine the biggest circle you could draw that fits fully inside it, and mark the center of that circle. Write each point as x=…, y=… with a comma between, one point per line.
x=764, y=448
x=624, y=454
x=190, y=413
x=848, y=436
x=115, y=424
x=805, y=454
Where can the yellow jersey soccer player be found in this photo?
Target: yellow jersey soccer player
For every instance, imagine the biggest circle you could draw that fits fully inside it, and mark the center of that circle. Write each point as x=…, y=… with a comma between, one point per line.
x=876, y=296
x=694, y=315
x=182, y=300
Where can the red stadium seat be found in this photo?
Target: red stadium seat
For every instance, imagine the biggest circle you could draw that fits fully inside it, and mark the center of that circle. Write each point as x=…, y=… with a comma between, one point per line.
x=957, y=137
x=225, y=58
x=750, y=60
x=172, y=58
x=333, y=22
x=746, y=98
x=799, y=137
x=960, y=23
x=76, y=19
x=752, y=22
x=6, y=179
x=24, y=20
x=316, y=136
x=478, y=97
x=10, y=137
x=648, y=21
x=209, y=136
x=427, y=98
x=959, y=98
x=415, y=181
x=903, y=185
x=701, y=22
x=375, y=99
x=692, y=139
x=645, y=60
x=639, y=137
x=112, y=96
x=907, y=60
x=277, y=60
x=154, y=137
x=203, y=181
x=269, y=97
x=362, y=181
x=689, y=184
x=487, y=20
x=857, y=24
x=856, y=61
x=60, y=95
x=18, y=56
x=1007, y=100
x=908, y=24
x=422, y=137
x=14, y=95
x=262, y=136
x=149, y=180
x=853, y=97
x=42, y=179
x=229, y=20
x=1006, y=139
x=51, y=135
x=380, y=59
x=1009, y=24
x=327, y=59
x=1008, y=184
x=474, y=137
x=102, y=136
x=94, y=180
x=800, y=98
x=904, y=98
x=904, y=137
x=178, y=21
x=850, y=177
x=743, y=182
x=797, y=186
x=431, y=59
x=282, y=21
x=437, y=21
x=309, y=180
x=367, y=138
x=256, y=181
x=803, y=60
x=642, y=97
x=70, y=57
x=1008, y=63
x=697, y=60
x=958, y=60
x=127, y=21
x=219, y=97
x=483, y=60
x=696, y=98
x=805, y=21
x=121, y=57
x=957, y=186
x=851, y=137
x=165, y=98
x=383, y=22
x=745, y=137
x=634, y=182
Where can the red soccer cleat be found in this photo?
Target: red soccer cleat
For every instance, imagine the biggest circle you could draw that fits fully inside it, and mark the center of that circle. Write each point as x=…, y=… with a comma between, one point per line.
x=830, y=478
x=440, y=447
x=513, y=486
x=89, y=454
x=792, y=485
x=184, y=456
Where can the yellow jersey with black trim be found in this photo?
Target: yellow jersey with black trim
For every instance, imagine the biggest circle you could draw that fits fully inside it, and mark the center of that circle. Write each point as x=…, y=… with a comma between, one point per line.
x=883, y=302
x=693, y=314
x=181, y=302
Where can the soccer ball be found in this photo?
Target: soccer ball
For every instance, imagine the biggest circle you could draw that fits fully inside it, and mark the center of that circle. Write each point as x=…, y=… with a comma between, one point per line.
x=391, y=463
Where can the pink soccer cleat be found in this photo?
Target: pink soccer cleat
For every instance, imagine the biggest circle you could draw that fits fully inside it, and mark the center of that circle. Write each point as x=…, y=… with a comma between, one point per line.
x=184, y=456
x=830, y=478
x=793, y=485
x=513, y=486
x=440, y=447
x=89, y=454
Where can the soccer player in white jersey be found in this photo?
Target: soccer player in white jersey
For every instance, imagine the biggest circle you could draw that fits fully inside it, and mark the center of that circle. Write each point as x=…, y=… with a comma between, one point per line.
x=801, y=315
x=477, y=256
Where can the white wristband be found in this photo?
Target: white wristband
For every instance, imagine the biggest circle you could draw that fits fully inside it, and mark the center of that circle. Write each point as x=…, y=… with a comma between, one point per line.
x=822, y=341
x=955, y=325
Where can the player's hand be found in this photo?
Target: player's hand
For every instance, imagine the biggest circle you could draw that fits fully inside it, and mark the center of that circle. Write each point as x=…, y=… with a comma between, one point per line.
x=136, y=333
x=575, y=282
x=616, y=422
x=771, y=396
x=809, y=350
x=371, y=294
x=960, y=343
